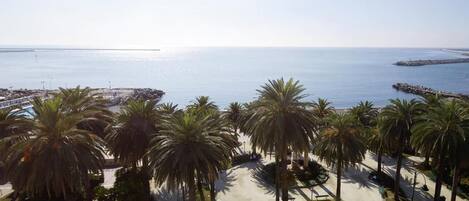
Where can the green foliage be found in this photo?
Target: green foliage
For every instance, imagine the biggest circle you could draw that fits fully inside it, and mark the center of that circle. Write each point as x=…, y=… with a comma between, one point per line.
x=130, y=185
x=266, y=173
x=313, y=175
x=104, y=194
x=134, y=126
x=244, y=158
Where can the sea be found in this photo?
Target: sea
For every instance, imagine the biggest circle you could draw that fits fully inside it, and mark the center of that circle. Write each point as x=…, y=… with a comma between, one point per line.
x=344, y=76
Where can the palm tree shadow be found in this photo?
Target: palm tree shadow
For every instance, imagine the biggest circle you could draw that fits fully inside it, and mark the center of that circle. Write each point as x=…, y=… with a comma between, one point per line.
x=262, y=180
x=165, y=194
x=358, y=175
x=225, y=181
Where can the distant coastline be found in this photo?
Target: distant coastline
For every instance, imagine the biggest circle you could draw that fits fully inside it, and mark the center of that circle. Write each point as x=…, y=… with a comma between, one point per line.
x=6, y=50
x=423, y=62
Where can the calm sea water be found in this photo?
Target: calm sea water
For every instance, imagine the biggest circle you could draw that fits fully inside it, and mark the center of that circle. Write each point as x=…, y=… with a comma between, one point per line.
x=345, y=76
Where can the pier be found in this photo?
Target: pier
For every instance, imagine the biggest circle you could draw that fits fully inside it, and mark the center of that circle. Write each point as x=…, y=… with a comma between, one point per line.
x=431, y=62
x=421, y=90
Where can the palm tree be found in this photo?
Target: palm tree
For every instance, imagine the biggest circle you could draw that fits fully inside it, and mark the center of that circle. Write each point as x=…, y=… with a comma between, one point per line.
x=459, y=162
x=134, y=127
x=341, y=144
x=398, y=119
x=365, y=113
x=202, y=104
x=85, y=101
x=191, y=144
x=430, y=101
x=376, y=143
x=12, y=121
x=321, y=109
x=442, y=133
x=233, y=115
x=281, y=120
x=54, y=158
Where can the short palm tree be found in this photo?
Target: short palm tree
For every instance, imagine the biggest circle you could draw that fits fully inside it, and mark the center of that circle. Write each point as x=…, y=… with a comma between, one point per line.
x=85, y=101
x=54, y=158
x=366, y=113
x=341, y=144
x=398, y=119
x=442, y=132
x=202, y=104
x=280, y=120
x=321, y=109
x=190, y=144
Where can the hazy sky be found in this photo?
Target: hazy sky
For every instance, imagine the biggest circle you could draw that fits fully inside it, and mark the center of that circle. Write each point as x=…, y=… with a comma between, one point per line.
x=159, y=23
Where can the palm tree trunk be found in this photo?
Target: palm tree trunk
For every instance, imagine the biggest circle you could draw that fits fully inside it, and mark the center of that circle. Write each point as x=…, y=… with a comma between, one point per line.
x=439, y=175
x=427, y=159
x=454, y=186
x=305, y=160
x=380, y=158
x=199, y=187
x=284, y=175
x=212, y=190
x=88, y=190
x=339, y=172
x=277, y=178
x=191, y=186
x=398, y=175
x=183, y=192
x=146, y=172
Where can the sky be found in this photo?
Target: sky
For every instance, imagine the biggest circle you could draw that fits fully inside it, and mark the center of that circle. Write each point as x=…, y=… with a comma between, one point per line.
x=169, y=23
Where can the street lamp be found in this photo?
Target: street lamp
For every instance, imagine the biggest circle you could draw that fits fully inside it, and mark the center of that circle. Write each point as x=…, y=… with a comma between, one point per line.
x=424, y=187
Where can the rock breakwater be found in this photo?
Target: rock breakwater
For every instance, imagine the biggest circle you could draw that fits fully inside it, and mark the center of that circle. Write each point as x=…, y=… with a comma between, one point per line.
x=421, y=90
x=431, y=62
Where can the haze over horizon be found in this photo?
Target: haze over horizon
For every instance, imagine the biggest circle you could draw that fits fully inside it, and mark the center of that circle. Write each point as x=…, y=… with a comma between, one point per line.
x=150, y=24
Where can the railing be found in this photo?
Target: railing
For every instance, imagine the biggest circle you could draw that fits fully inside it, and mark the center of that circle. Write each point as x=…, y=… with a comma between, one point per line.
x=16, y=102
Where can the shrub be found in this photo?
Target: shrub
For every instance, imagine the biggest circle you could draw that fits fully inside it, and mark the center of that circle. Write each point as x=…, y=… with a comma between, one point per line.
x=244, y=158
x=130, y=185
x=314, y=172
x=267, y=174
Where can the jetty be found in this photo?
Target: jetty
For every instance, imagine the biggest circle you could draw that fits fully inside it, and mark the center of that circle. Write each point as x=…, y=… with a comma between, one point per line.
x=421, y=90
x=431, y=62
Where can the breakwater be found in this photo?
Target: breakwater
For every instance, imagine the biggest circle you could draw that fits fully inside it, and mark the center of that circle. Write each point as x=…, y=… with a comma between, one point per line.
x=431, y=62
x=421, y=90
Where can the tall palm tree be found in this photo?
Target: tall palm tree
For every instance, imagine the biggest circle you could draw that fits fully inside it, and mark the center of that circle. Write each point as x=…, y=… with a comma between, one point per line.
x=367, y=115
x=191, y=144
x=281, y=120
x=460, y=161
x=430, y=101
x=233, y=115
x=341, y=144
x=442, y=133
x=398, y=119
x=12, y=121
x=376, y=143
x=320, y=109
x=53, y=158
x=135, y=125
